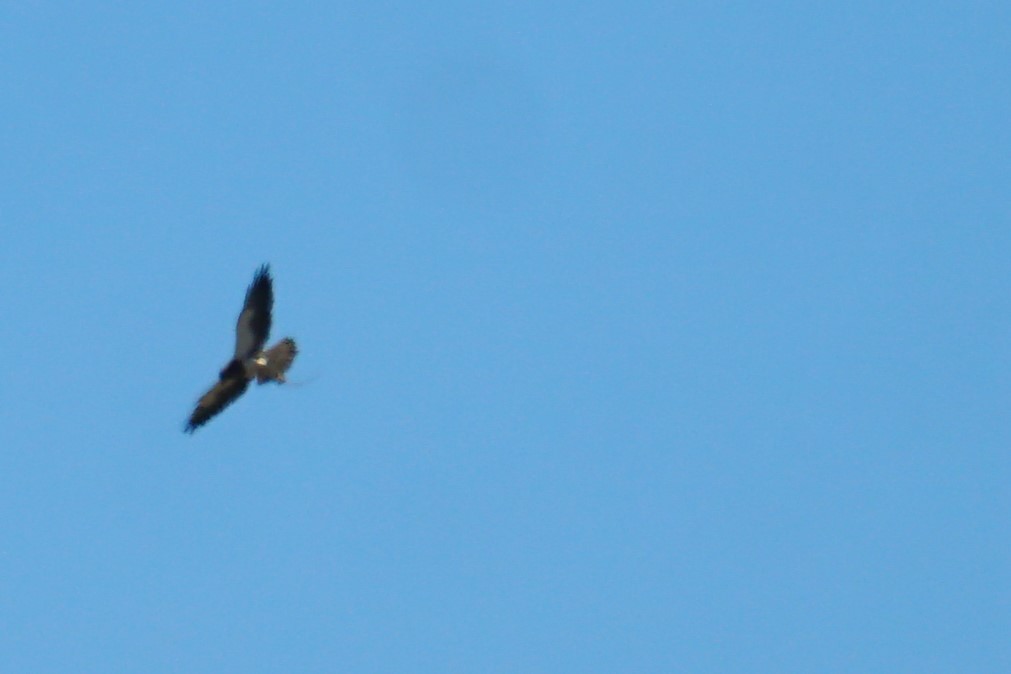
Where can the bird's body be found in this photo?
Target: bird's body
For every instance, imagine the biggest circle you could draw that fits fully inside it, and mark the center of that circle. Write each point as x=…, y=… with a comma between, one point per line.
x=250, y=361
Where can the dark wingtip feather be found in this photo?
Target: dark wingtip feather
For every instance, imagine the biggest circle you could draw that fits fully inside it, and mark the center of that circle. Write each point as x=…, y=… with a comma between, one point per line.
x=255, y=314
x=200, y=416
x=263, y=271
x=193, y=423
x=221, y=395
x=261, y=289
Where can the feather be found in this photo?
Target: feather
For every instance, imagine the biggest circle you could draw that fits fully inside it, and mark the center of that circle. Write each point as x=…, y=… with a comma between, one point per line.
x=275, y=361
x=251, y=332
x=253, y=326
x=221, y=395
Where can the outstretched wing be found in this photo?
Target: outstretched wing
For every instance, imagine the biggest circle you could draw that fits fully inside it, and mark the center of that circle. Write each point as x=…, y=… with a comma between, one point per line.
x=276, y=360
x=253, y=326
x=221, y=395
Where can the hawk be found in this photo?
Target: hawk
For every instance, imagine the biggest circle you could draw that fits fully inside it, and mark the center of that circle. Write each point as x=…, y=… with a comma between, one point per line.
x=251, y=361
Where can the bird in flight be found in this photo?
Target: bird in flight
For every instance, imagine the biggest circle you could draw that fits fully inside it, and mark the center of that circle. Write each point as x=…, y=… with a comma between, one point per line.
x=251, y=361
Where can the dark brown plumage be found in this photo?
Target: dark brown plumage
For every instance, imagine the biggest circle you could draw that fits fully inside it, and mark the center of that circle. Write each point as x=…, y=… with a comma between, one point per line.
x=250, y=360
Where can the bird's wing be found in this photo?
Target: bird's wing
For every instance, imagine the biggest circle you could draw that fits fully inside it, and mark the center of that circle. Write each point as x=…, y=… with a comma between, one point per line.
x=221, y=395
x=278, y=359
x=253, y=326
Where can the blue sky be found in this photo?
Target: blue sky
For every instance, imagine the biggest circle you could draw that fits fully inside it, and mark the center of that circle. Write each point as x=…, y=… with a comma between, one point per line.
x=636, y=337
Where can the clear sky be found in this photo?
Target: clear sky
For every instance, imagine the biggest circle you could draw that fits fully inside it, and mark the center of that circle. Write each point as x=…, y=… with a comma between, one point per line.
x=635, y=337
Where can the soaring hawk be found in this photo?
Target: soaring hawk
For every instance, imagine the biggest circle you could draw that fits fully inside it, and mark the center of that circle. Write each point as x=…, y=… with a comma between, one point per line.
x=250, y=360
